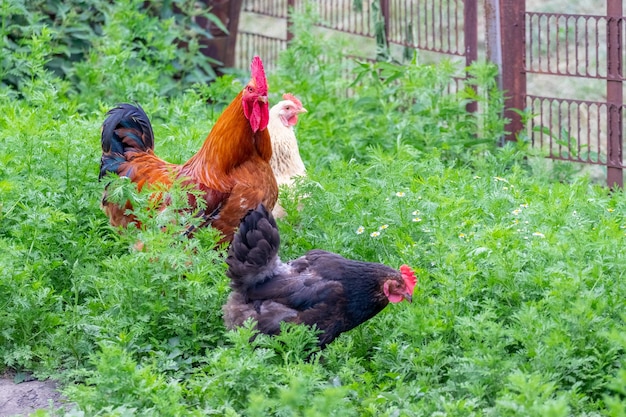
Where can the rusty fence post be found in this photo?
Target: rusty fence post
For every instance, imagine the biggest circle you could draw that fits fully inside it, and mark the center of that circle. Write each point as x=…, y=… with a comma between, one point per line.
x=513, y=31
x=614, y=94
x=470, y=35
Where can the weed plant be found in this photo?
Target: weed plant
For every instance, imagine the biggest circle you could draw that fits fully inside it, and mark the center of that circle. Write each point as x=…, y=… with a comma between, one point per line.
x=519, y=309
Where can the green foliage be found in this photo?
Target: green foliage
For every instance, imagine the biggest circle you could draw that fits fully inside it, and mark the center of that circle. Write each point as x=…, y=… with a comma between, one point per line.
x=120, y=386
x=519, y=304
x=517, y=277
x=122, y=49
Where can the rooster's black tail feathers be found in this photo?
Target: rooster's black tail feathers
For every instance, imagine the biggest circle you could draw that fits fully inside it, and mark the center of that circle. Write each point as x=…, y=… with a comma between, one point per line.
x=254, y=250
x=126, y=128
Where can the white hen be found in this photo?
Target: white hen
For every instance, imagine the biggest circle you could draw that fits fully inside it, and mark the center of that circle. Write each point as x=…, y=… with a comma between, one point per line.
x=286, y=161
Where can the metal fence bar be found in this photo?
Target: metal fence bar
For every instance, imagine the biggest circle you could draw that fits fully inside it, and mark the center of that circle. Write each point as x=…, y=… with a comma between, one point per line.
x=582, y=35
x=614, y=93
x=553, y=114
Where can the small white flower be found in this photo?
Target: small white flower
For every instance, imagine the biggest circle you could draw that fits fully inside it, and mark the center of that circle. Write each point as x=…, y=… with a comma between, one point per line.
x=461, y=235
x=516, y=212
x=360, y=230
x=476, y=177
x=417, y=219
x=525, y=205
x=375, y=234
x=400, y=194
x=383, y=227
x=539, y=234
x=416, y=212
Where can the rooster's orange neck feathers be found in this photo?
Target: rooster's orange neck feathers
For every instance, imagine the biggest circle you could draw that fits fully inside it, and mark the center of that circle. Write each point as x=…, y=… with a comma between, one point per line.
x=239, y=135
x=228, y=145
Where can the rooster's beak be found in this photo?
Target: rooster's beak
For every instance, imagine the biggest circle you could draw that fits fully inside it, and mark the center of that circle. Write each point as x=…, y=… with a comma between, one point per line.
x=262, y=99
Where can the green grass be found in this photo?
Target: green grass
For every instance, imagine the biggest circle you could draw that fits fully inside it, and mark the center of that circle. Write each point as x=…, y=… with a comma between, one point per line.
x=519, y=306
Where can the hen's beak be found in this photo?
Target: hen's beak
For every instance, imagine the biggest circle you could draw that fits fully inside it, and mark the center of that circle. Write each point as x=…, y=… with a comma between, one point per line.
x=262, y=99
x=408, y=297
x=302, y=110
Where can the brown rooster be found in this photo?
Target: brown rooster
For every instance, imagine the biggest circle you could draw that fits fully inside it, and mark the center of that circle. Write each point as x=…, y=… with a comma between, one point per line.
x=231, y=169
x=320, y=288
x=286, y=161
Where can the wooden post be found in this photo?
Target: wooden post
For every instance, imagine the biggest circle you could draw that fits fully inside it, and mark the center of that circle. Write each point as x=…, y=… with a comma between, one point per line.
x=513, y=31
x=493, y=36
x=222, y=45
x=470, y=27
x=493, y=40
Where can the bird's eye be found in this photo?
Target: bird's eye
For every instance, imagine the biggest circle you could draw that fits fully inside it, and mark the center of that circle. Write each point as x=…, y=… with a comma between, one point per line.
x=250, y=89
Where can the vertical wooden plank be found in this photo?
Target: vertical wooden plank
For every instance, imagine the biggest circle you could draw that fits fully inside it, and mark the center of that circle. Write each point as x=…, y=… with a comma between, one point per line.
x=470, y=35
x=291, y=6
x=614, y=94
x=384, y=10
x=493, y=36
x=513, y=31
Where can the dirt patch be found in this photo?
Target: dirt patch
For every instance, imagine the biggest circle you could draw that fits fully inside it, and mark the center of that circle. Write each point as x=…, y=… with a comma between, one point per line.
x=26, y=397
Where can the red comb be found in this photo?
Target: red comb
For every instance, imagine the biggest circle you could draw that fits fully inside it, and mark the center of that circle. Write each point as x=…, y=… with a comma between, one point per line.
x=409, y=277
x=258, y=74
x=291, y=97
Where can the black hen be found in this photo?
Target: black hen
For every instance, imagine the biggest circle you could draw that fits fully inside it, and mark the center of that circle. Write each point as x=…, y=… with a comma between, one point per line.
x=320, y=288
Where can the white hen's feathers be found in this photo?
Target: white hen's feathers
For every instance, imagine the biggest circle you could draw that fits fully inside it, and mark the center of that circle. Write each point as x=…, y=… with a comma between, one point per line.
x=286, y=161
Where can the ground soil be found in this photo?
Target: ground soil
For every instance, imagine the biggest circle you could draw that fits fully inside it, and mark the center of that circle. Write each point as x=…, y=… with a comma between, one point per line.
x=26, y=397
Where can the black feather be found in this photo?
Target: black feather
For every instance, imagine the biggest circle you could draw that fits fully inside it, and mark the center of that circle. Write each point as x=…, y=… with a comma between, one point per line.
x=138, y=136
x=254, y=248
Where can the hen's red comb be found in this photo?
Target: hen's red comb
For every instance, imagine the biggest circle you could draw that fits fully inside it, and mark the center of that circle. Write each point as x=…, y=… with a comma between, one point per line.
x=291, y=97
x=409, y=277
x=258, y=74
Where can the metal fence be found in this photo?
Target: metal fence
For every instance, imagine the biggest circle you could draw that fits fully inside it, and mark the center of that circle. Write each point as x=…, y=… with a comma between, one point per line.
x=562, y=73
x=586, y=127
